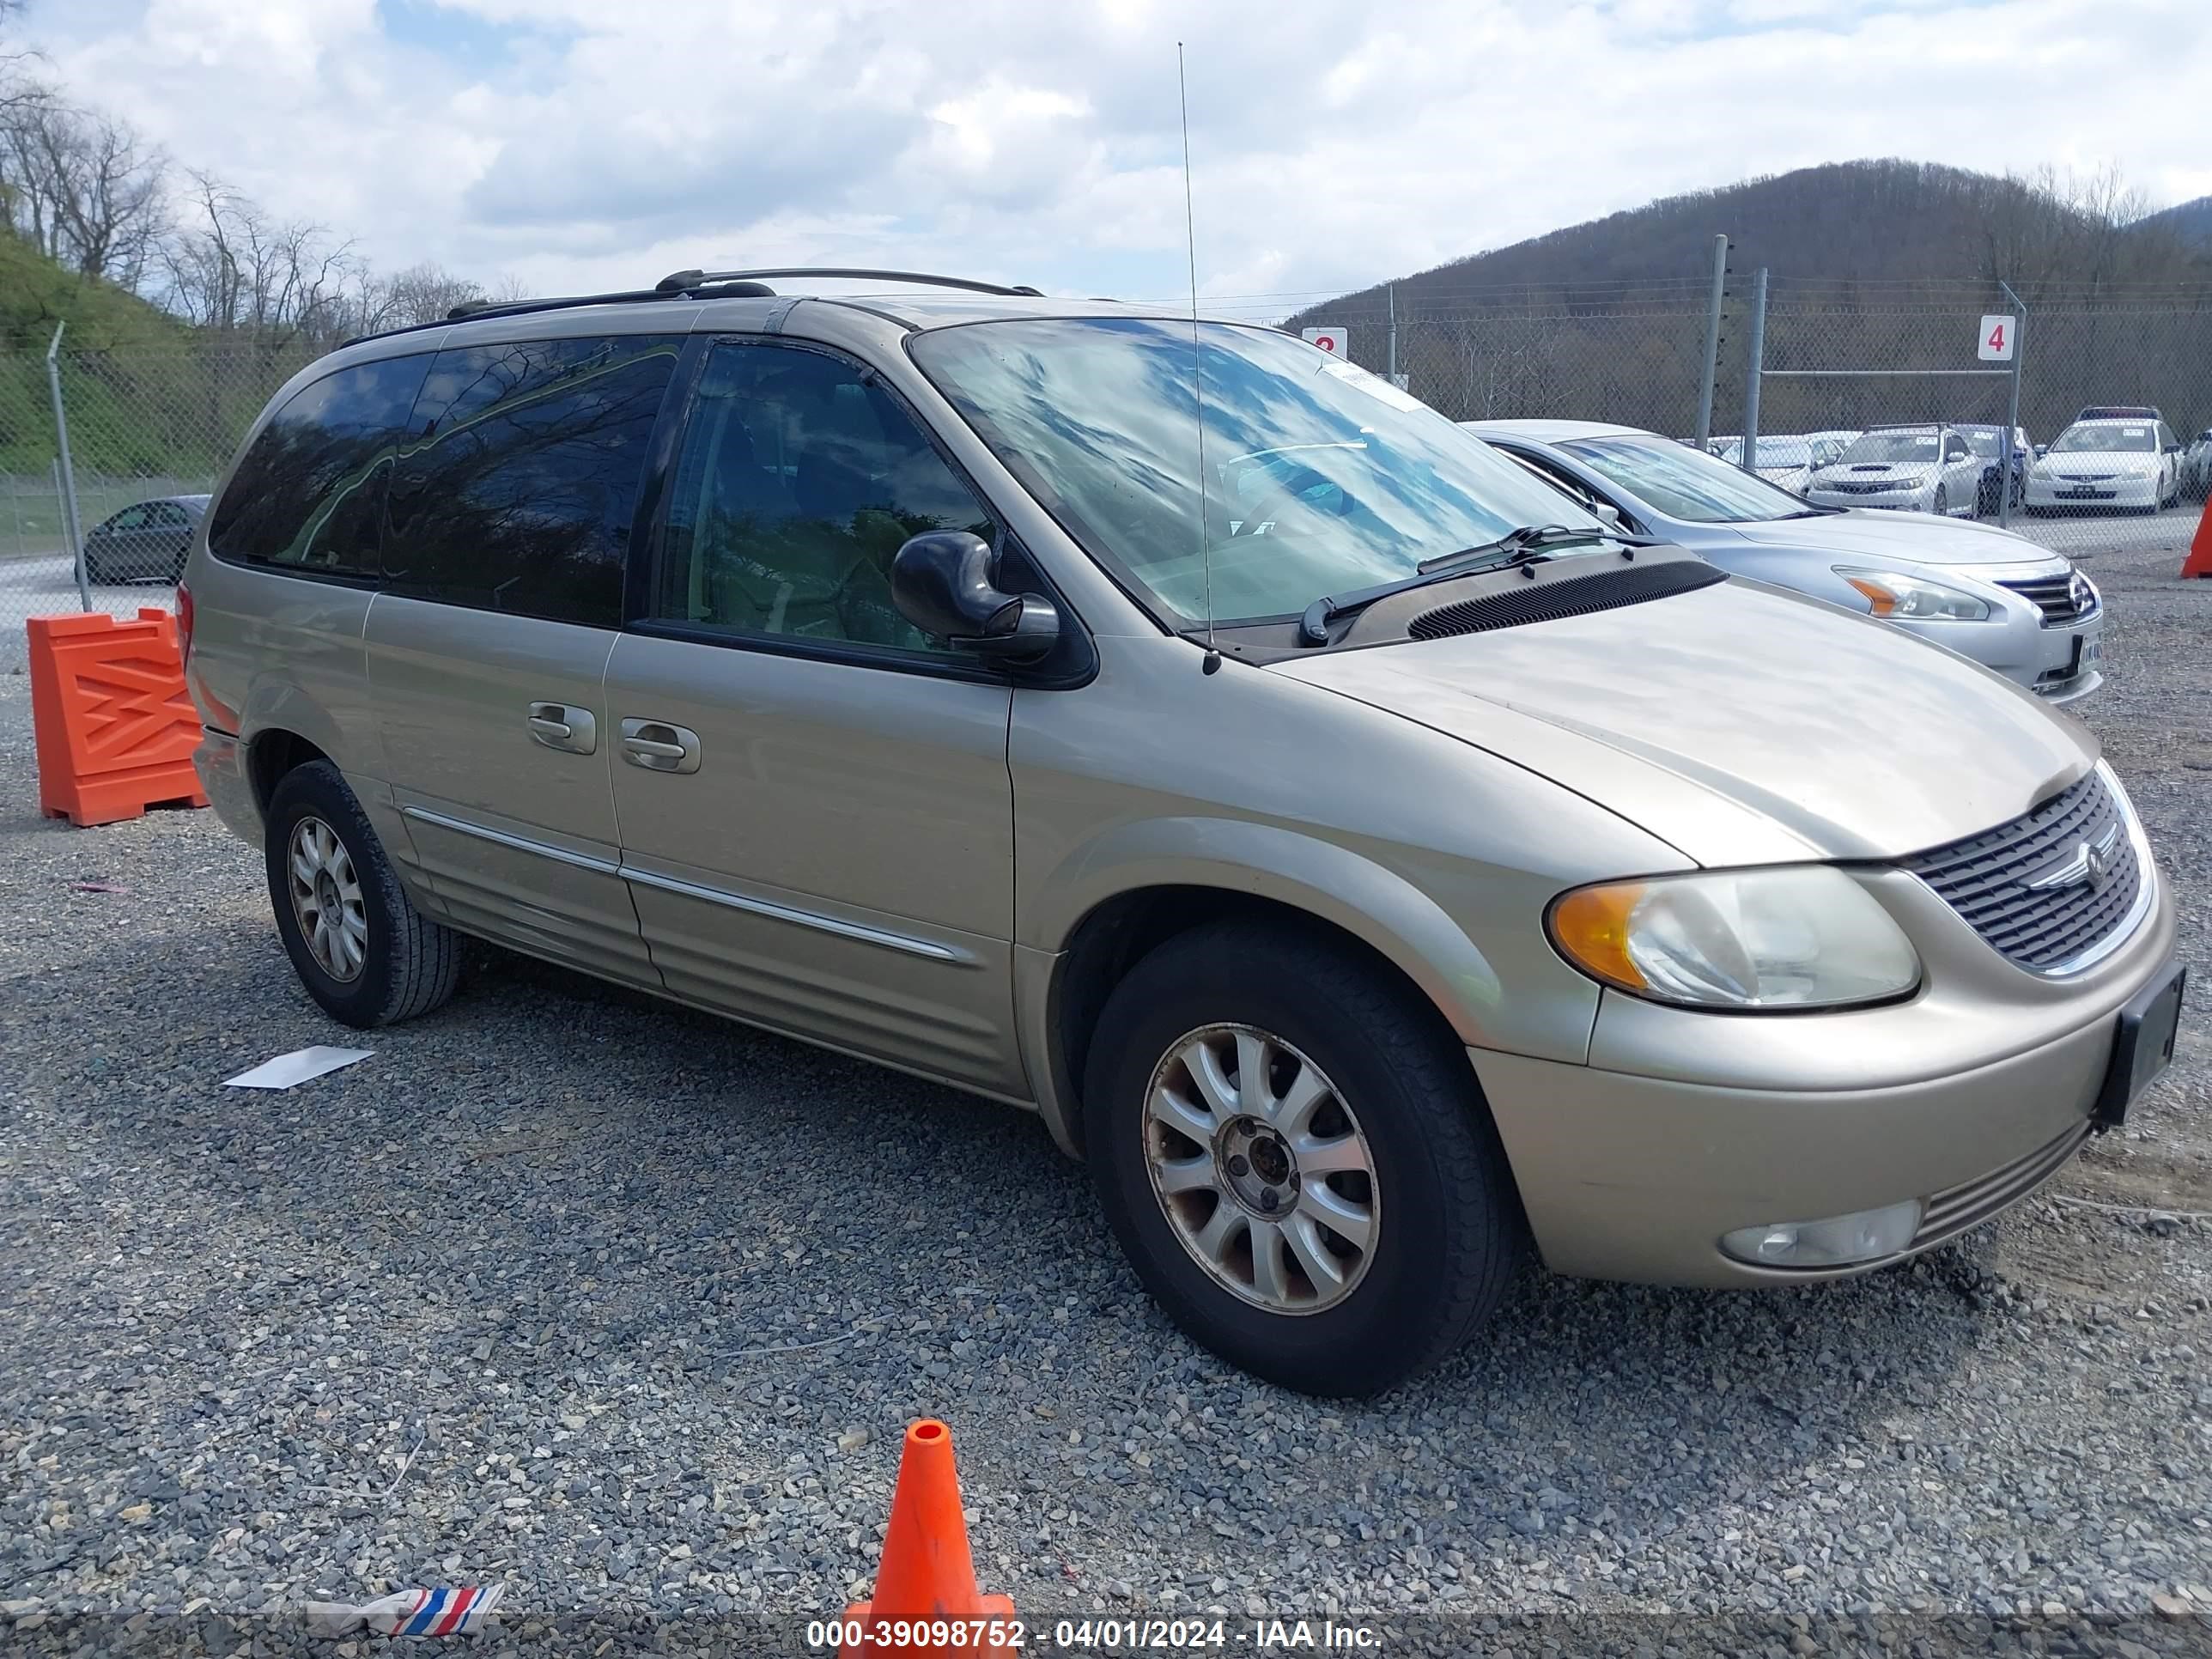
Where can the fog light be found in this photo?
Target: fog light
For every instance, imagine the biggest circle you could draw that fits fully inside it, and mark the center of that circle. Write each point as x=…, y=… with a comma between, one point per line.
x=1838, y=1242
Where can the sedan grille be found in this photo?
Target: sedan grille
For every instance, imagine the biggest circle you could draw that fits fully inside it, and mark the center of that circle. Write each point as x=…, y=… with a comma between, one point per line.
x=2062, y=598
x=2047, y=887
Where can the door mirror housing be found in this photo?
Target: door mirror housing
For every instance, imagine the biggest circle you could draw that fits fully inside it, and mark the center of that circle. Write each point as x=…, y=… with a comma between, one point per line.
x=943, y=582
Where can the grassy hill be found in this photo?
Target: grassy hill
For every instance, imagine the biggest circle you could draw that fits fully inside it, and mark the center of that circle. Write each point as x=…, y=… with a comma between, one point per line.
x=142, y=400
x=35, y=294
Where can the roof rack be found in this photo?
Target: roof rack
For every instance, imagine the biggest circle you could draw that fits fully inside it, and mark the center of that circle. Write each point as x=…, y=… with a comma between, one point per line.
x=469, y=311
x=689, y=285
x=687, y=282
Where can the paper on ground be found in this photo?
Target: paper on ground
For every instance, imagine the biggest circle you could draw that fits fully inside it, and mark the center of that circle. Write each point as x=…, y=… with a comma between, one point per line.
x=297, y=1067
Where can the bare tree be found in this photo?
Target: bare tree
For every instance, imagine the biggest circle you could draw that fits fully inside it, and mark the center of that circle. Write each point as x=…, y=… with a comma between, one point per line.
x=230, y=269
x=85, y=189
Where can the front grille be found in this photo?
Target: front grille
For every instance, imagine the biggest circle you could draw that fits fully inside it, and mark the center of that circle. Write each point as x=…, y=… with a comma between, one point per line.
x=1881, y=487
x=1973, y=1202
x=1985, y=878
x=2057, y=597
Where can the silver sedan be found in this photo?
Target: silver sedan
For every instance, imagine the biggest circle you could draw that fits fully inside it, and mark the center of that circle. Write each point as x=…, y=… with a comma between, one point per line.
x=1988, y=594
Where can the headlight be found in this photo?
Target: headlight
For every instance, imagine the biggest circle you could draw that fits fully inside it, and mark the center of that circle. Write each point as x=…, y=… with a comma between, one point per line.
x=1791, y=936
x=1901, y=597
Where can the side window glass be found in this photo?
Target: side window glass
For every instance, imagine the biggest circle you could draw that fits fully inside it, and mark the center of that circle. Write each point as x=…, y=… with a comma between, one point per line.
x=309, y=492
x=131, y=517
x=1580, y=492
x=517, y=485
x=798, y=480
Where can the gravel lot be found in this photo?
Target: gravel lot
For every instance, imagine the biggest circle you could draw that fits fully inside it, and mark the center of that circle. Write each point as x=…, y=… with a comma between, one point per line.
x=649, y=1298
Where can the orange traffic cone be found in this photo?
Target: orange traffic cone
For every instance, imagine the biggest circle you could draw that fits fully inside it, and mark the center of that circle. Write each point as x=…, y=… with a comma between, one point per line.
x=927, y=1584
x=2199, y=562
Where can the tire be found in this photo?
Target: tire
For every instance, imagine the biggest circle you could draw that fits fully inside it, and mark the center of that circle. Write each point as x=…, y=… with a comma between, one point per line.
x=402, y=963
x=1943, y=507
x=1450, y=1235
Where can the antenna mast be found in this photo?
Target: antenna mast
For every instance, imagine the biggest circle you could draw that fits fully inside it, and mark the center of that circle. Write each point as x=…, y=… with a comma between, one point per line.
x=1197, y=372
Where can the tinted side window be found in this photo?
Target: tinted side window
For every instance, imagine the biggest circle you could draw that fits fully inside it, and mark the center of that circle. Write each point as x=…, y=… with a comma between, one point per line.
x=799, y=478
x=518, y=486
x=309, y=490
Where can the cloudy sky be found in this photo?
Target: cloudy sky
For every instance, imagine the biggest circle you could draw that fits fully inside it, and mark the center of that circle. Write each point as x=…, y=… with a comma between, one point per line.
x=581, y=143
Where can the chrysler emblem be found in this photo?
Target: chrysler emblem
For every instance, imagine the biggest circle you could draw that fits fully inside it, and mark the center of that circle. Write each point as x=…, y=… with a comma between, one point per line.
x=2097, y=866
x=2092, y=864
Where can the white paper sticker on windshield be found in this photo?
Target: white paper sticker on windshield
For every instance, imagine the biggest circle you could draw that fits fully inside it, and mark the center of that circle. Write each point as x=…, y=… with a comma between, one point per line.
x=1373, y=384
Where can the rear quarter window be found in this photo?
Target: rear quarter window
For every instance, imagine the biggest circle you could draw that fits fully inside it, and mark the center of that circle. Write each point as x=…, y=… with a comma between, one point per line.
x=308, y=493
x=519, y=482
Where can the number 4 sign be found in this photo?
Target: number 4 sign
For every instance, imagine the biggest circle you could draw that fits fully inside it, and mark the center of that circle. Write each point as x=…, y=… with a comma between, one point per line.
x=1997, y=339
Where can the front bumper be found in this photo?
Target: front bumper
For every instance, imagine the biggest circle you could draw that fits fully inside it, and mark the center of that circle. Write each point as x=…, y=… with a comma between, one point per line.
x=2058, y=661
x=1687, y=1126
x=2135, y=492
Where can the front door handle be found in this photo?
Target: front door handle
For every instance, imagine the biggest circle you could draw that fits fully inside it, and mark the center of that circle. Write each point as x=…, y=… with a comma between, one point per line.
x=659, y=747
x=559, y=726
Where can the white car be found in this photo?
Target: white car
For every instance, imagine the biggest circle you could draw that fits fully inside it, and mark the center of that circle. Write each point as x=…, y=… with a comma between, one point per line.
x=2197, y=466
x=1789, y=459
x=2128, y=464
x=1919, y=469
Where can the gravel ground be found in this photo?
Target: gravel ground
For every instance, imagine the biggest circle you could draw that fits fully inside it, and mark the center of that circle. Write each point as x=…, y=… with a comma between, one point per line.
x=625, y=1308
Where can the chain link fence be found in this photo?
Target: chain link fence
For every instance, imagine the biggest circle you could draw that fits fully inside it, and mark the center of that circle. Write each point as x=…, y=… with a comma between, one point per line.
x=144, y=430
x=1837, y=368
x=149, y=433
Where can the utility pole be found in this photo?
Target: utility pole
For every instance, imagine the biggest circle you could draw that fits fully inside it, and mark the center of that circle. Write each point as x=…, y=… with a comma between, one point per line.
x=1391, y=293
x=68, y=476
x=2012, y=415
x=1712, y=342
x=1758, y=366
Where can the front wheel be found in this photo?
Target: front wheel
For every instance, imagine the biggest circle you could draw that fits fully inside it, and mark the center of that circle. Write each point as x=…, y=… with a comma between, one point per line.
x=1297, y=1160
x=1942, y=502
x=356, y=941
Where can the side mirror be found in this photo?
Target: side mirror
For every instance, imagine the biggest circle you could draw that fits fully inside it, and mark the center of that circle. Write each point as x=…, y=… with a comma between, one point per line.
x=1608, y=514
x=942, y=582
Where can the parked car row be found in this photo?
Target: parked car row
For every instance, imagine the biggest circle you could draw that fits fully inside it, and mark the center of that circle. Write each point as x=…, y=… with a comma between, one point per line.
x=2112, y=457
x=2009, y=604
x=1379, y=849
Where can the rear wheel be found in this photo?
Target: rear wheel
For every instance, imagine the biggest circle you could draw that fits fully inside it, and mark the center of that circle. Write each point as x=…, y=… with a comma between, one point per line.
x=1297, y=1160
x=355, y=939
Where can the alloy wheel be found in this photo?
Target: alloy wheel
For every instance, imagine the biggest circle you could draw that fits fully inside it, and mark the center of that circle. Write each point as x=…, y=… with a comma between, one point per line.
x=326, y=900
x=1261, y=1170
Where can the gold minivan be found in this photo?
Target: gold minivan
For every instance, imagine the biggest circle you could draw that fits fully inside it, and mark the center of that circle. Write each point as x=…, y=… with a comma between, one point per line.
x=1372, y=864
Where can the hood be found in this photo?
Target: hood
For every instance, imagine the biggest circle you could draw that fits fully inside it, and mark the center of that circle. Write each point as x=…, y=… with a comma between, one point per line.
x=1868, y=470
x=1740, y=724
x=1923, y=540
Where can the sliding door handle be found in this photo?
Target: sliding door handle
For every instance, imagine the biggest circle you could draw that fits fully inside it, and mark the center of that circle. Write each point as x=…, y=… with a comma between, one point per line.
x=658, y=746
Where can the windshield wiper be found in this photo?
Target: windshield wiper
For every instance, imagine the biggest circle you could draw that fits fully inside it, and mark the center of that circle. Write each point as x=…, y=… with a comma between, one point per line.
x=1516, y=547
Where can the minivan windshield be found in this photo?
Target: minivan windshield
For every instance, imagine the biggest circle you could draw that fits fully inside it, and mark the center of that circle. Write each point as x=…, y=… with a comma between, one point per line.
x=2125, y=439
x=1894, y=448
x=1684, y=482
x=1319, y=478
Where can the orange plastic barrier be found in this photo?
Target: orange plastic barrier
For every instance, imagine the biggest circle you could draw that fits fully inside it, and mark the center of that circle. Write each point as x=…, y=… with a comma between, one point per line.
x=115, y=730
x=928, y=1579
x=2199, y=562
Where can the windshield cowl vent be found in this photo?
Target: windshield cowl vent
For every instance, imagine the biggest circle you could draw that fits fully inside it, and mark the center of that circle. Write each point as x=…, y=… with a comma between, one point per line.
x=1567, y=596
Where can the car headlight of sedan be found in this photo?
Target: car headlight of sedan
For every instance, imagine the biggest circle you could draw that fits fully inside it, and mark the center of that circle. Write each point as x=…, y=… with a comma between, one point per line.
x=1898, y=597
x=1787, y=938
